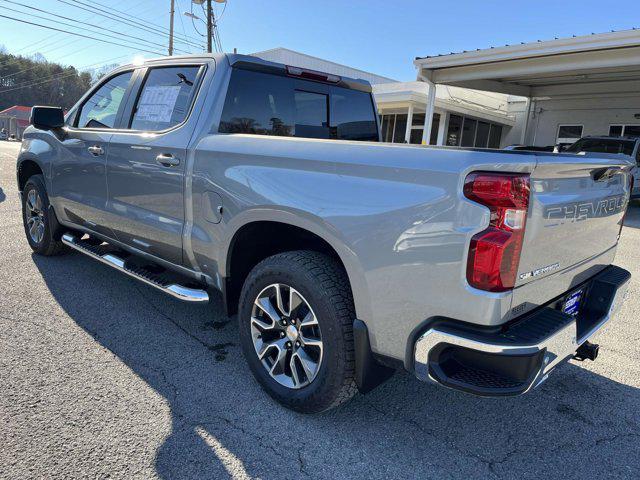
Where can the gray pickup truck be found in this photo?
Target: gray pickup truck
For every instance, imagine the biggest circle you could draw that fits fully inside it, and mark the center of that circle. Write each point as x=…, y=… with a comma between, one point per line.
x=343, y=257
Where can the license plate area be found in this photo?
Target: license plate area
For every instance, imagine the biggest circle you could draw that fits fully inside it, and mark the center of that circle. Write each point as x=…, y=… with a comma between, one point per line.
x=571, y=303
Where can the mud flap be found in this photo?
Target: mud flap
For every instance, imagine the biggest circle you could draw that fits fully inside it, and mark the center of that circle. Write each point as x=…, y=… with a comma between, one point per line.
x=369, y=372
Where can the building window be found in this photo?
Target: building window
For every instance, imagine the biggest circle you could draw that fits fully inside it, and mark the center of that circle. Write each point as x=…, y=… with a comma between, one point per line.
x=616, y=130
x=388, y=124
x=433, y=139
x=495, y=135
x=418, y=120
x=394, y=127
x=454, y=131
x=416, y=136
x=470, y=132
x=482, y=135
x=624, y=131
x=400, y=128
x=568, y=134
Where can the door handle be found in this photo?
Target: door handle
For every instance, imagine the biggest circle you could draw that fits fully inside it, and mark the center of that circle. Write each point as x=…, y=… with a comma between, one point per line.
x=167, y=160
x=96, y=150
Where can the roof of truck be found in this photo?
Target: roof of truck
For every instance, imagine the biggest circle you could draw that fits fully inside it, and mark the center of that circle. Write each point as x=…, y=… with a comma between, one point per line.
x=237, y=59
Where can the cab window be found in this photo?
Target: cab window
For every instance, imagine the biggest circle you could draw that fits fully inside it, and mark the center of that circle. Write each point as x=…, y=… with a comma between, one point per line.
x=101, y=109
x=264, y=104
x=165, y=99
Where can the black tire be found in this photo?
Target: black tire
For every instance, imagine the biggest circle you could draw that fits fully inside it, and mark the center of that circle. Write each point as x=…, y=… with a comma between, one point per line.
x=325, y=286
x=50, y=243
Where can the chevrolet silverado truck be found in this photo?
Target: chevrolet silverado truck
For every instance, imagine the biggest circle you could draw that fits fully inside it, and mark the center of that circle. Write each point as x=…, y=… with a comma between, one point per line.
x=344, y=258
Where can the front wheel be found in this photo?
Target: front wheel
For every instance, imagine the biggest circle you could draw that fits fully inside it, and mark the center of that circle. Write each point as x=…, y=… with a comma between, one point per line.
x=35, y=216
x=296, y=330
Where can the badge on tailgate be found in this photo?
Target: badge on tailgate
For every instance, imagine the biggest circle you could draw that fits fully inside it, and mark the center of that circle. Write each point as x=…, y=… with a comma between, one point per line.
x=572, y=303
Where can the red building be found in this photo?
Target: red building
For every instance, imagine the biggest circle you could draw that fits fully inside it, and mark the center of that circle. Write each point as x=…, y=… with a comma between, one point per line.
x=15, y=119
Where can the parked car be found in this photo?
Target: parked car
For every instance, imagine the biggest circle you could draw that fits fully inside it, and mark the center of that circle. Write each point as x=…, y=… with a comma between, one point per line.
x=345, y=258
x=629, y=146
x=529, y=148
x=3, y=135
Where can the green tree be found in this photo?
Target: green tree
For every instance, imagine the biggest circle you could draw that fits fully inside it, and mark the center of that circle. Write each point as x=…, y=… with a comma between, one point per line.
x=35, y=81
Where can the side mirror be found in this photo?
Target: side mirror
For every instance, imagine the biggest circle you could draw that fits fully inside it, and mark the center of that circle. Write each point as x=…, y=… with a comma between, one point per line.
x=47, y=118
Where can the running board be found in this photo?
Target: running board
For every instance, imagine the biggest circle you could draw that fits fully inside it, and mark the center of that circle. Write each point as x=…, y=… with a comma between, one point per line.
x=141, y=273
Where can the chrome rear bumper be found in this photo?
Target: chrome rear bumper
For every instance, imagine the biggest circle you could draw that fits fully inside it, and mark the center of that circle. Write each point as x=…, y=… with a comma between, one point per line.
x=521, y=357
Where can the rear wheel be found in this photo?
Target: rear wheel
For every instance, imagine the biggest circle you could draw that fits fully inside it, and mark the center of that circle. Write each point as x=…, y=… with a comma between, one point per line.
x=35, y=216
x=296, y=330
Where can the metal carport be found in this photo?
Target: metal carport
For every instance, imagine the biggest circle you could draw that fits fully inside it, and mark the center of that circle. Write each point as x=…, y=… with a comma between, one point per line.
x=573, y=70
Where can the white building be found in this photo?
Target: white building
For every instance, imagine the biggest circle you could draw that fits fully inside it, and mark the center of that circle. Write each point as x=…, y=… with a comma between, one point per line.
x=559, y=90
x=402, y=105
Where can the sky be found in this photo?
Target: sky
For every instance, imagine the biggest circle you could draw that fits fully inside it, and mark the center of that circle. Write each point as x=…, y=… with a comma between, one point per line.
x=378, y=36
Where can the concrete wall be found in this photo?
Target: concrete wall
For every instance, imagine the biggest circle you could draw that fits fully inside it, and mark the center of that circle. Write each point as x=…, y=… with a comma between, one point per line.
x=595, y=113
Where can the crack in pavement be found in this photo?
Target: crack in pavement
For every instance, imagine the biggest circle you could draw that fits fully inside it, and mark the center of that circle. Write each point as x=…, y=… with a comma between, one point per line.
x=211, y=347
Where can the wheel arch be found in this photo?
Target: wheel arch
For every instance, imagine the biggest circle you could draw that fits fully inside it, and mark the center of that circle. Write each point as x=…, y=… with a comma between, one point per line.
x=301, y=232
x=26, y=168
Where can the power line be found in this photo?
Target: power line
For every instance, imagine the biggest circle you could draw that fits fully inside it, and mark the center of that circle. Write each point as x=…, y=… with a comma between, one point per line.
x=17, y=57
x=77, y=34
x=64, y=75
x=150, y=43
x=112, y=16
x=184, y=32
x=159, y=27
x=62, y=44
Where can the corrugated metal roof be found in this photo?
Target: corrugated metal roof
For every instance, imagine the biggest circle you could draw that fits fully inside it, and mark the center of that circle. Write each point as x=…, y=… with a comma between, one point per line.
x=524, y=43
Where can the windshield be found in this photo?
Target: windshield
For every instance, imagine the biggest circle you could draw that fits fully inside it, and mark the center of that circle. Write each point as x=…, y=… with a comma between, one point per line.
x=602, y=145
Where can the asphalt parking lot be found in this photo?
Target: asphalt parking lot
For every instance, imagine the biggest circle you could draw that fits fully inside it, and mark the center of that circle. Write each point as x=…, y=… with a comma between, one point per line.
x=100, y=376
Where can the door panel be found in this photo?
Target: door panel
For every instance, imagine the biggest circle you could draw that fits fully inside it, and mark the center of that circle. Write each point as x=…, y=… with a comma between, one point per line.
x=79, y=171
x=146, y=165
x=79, y=179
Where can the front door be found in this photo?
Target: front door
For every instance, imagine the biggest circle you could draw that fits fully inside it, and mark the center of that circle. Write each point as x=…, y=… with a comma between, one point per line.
x=79, y=170
x=146, y=163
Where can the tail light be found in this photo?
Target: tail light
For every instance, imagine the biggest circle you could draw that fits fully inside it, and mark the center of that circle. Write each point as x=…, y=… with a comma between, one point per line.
x=494, y=253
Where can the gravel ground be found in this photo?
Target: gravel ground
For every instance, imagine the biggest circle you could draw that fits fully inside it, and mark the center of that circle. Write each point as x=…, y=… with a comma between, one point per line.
x=101, y=376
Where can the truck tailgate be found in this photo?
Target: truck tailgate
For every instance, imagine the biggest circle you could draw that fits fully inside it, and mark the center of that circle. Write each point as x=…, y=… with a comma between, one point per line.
x=576, y=208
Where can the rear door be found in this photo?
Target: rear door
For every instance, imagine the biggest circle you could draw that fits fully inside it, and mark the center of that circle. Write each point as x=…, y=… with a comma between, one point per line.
x=147, y=159
x=575, y=214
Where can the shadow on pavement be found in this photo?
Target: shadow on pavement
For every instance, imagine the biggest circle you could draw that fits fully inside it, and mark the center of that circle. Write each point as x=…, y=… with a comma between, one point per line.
x=2, y=195
x=578, y=425
x=632, y=218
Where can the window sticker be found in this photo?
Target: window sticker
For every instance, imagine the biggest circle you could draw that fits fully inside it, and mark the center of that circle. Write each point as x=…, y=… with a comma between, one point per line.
x=157, y=103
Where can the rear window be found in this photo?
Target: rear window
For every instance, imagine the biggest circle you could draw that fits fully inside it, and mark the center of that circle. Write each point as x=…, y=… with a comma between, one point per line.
x=265, y=104
x=602, y=145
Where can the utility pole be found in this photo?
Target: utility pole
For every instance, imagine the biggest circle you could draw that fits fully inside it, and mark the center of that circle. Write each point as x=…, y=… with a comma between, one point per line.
x=209, y=27
x=171, y=15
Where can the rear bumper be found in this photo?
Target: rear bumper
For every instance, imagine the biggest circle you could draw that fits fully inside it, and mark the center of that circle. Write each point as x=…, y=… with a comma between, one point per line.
x=522, y=355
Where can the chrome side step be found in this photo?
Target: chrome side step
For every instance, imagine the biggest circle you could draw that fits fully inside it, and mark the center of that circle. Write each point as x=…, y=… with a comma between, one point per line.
x=176, y=290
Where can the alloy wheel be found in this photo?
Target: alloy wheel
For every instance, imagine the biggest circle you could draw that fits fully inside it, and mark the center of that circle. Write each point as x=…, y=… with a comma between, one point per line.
x=35, y=216
x=286, y=336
